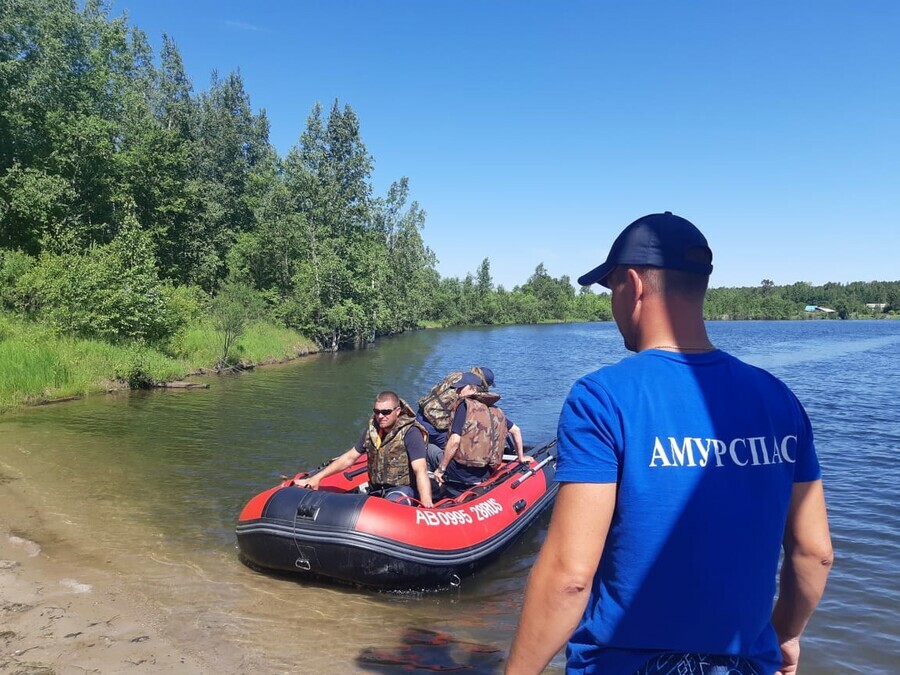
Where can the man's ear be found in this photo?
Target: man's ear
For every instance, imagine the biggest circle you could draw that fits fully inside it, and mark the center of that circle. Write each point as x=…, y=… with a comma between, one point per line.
x=635, y=284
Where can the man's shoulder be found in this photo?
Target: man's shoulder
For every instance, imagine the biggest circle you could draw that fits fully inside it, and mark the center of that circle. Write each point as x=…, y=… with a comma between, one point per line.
x=415, y=428
x=413, y=424
x=653, y=364
x=750, y=370
x=614, y=371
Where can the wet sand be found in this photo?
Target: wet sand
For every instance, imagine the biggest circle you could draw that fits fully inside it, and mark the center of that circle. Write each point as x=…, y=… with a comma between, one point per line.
x=64, y=610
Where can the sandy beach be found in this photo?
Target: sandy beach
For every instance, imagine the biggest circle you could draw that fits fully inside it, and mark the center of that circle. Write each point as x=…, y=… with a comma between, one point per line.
x=62, y=612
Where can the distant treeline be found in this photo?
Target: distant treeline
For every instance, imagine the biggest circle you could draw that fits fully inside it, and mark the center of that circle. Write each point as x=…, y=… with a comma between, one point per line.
x=132, y=205
x=543, y=298
x=854, y=300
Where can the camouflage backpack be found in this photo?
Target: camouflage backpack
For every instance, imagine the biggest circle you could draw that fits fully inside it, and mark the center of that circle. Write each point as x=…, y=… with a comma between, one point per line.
x=484, y=433
x=438, y=404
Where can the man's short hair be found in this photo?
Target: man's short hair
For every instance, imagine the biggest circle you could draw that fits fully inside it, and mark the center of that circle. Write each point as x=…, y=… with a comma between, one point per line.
x=674, y=282
x=389, y=396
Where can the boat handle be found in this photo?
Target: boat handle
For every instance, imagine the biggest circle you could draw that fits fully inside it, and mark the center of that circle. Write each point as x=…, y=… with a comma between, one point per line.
x=349, y=475
x=532, y=469
x=309, y=511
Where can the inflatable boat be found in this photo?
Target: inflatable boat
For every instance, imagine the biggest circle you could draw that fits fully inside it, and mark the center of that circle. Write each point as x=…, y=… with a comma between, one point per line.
x=341, y=533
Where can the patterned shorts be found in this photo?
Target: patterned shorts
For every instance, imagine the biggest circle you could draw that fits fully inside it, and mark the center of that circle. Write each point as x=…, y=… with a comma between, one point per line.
x=698, y=664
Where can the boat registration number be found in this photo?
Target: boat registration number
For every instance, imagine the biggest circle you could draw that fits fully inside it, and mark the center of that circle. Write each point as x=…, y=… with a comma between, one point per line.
x=475, y=512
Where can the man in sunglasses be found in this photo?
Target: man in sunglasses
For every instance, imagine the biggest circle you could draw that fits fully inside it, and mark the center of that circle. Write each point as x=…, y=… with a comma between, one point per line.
x=396, y=448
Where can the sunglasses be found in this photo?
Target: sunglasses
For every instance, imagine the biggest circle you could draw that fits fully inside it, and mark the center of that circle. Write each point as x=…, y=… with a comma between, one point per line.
x=384, y=411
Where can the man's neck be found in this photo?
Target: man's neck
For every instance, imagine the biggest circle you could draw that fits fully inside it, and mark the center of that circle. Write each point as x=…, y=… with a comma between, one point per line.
x=684, y=349
x=689, y=341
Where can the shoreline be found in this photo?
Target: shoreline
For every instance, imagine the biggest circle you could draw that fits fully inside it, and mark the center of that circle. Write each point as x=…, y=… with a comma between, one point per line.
x=107, y=386
x=65, y=608
x=44, y=366
x=178, y=383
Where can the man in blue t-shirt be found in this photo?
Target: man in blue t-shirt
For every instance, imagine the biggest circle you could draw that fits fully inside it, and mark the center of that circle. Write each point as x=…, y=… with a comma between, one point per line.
x=684, y=472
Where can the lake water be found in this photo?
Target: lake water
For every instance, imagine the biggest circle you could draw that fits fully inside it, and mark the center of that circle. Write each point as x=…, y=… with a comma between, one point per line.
x=150, y=484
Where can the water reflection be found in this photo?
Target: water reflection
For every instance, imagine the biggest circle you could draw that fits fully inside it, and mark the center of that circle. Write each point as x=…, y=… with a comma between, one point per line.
x=429, y=651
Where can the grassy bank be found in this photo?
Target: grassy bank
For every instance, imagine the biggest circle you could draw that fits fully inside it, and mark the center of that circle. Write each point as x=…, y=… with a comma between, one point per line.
x=38, y=365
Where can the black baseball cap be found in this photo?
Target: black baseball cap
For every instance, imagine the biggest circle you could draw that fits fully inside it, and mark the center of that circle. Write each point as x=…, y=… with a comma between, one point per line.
x=657, y=240
x=467, y=378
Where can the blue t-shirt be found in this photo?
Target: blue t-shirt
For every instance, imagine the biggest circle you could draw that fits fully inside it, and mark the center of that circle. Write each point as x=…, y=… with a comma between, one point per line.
x=435, y=436
x=705, y=450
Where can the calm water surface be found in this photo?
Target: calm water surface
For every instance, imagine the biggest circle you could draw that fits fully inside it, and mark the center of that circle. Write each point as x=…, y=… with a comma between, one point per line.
x=155, y=481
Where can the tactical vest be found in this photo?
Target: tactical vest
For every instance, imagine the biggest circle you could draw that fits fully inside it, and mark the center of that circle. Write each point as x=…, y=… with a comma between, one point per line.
x=388, y=460
x=484, y=433
x=437, y=405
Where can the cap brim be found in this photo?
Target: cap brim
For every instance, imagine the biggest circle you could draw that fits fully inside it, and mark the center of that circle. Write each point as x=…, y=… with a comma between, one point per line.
x=596, y=275
x=467, y=379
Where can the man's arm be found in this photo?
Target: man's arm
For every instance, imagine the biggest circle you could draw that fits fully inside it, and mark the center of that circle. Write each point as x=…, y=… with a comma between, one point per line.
x=516, y=433
x=808, y=556
x=449, y=451
x=560, y=581
x=336, y=465
x=423, y=482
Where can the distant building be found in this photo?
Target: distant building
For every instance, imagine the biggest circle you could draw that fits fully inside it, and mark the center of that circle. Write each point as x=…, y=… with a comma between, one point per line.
x=876, y=305
x=817, y=308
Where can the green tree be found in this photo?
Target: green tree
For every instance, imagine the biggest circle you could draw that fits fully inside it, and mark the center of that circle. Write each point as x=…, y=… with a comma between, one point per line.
x=486, y=308
x=156, y=161
x=328, y=173
x=590, y=306
x=892, y=298
x=553, y=295
x=405, y=271
x=111, y=291
x=66, y=77
x=521, y=307
x=230, y=145
x=233, y=308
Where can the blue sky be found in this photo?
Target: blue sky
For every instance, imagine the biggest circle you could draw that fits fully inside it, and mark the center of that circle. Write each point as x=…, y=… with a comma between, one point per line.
x=533, y=132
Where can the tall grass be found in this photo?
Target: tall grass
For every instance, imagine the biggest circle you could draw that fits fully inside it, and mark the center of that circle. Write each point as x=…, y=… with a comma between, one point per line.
x=31, y=371
x=265, y=343
x=199, y=343
x=39, y=365
x=260, y=342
